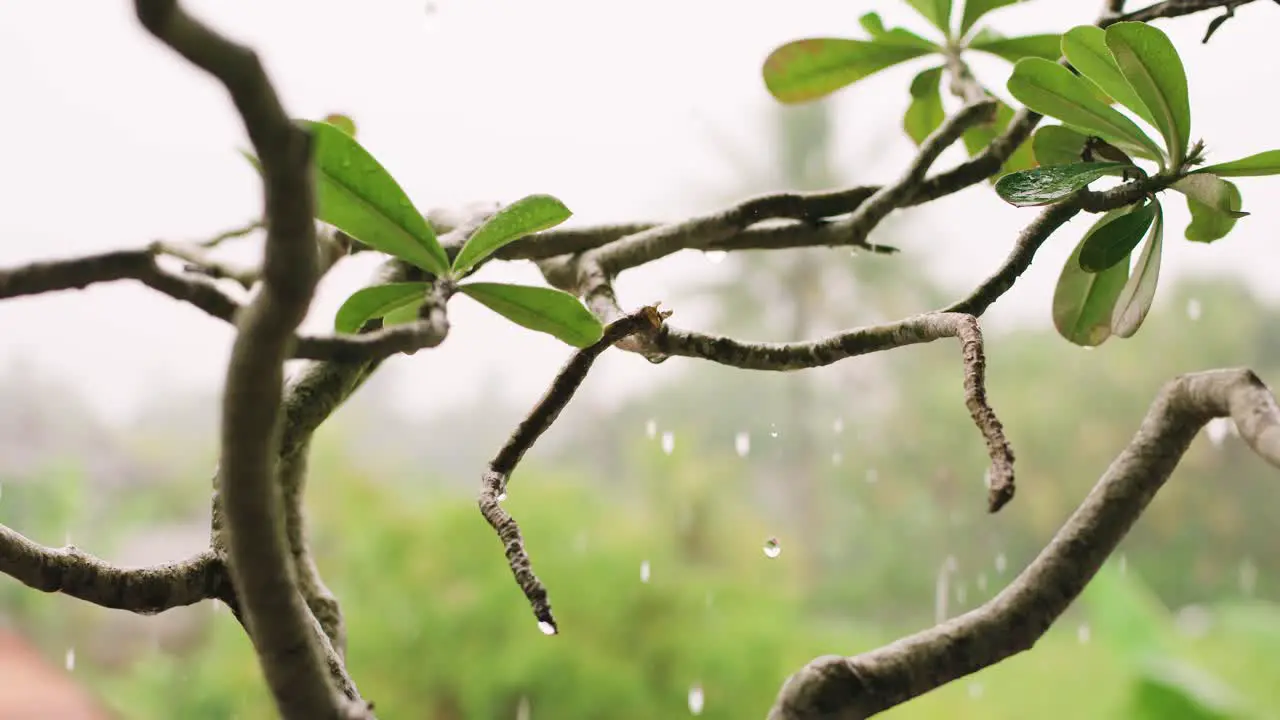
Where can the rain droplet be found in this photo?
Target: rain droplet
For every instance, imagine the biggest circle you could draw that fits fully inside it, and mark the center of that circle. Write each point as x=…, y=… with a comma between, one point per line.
x=710, y=598
x=1001, y=563
x=837, y=458
x=837, y=426
x=742, y=443
x=773, y=431
x=986, y=479
x=1194, y=310
x=772, y=548
x=982, y=582
x=1083, y=633
x=546, y=627
x=975, y=690
x=1217, y=430
x=668, y=442
x=651, y=429
x=644, y=571
x=523, y=711
x=1123, y=564
x=67, y=539
x=962, y=594
x=696, y=699
x=873, y=476
x=502, y=496
x=715, y=257
x=580, y=542
x=1248, y=576
x=71, y=659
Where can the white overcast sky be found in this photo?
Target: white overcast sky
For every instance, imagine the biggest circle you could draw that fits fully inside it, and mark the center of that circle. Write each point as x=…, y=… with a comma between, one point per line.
x=111, y=141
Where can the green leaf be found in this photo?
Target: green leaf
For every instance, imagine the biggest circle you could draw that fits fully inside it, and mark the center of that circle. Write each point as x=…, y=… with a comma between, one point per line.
x=1050, y=89
x=1212, y=191
x=1126, y=615
x=1140, y=291
x=543, y=309
x=1057, y=145
x=1044, y=185
x=358, y=196
x=406, y=313
x=974, y=9
x=1014, y=49
x=937, y=12
x=874, y=26
x=977, y=138
x=522, y=217
x=342, y=122
x=1211, y=220
x=1169, y=687
x=1151, y=64
x=376, y=301
x=808, y=69
x=1114, y=242
x=872, y=23
x=1082, y=302
x=925, y=113
x=1263, y=163
x=1086, y=49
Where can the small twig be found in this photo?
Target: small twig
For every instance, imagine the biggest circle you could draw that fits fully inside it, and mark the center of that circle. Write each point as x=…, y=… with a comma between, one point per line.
x=200, y=262
x=232, y=234
x=493, y=485
x=859, y=687
x=1170, y=9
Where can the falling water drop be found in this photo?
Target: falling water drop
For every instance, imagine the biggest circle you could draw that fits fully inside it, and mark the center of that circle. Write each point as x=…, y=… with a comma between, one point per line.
x=1194, y=621
x=1001, y=563
x=668, y=442
x=715, y=257
x=982, y=582
x=1217, y=430
x=1248, y=576
x=644, y=571
x=71, y=659
x=502, y=496
x=962, y=594
x=67, y=539
x=873, y=477
x=1122, y=564
x=772, y=548
x=837, y=427
x=696, y=699
x=651, y=429
x=1194, y=310
x=773, y=430
x=975, y=690
x=1083, y=634
x=523, y=711
x=742, y=443
x=710, y=598
x=837, y=458
x=546, y=627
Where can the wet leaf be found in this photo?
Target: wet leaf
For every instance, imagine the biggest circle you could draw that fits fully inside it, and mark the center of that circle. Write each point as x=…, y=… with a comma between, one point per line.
x=1086, y=49
x=355, y=194
x=542, y=309
x=1082, y=301
x=1113, y=242
x=1057, y=145
x=1044, y=185
x=523, y=217
x=377, y=301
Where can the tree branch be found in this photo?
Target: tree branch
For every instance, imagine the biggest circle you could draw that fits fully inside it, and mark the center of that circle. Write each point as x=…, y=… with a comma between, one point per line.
x=258, y=553
x=147, y=590
x=858, y=687
x=493, y=486
x=1170, y=9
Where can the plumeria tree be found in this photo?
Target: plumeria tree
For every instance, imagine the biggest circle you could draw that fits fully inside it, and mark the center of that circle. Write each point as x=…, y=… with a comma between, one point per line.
x=1105, y=103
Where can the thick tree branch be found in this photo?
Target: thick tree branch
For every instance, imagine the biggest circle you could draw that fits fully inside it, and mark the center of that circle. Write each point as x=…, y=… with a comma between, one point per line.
x=146, y=590
x=493, y=485
x=847, y=688
x=260, y=562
